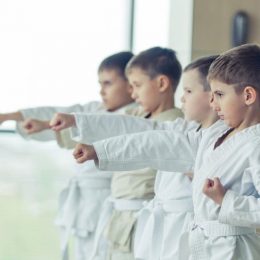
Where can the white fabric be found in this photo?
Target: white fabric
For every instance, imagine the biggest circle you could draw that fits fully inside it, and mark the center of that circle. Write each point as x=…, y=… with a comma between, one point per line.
x=91, y=128
x=236, y=162
x=94, y=127
x=180, y=152
x=81, y=200
x=79, y=204
x=46, y=114
x=109, y=205
x=106, y=126
x=163, y=224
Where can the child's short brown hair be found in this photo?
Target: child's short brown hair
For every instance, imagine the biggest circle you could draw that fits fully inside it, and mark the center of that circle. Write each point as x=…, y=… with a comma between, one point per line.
x=117, y=61
x=156, y=61
x=239, y=66
x=202, y=65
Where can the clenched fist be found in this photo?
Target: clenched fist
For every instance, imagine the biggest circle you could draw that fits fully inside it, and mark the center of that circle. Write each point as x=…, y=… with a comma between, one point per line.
x=32, y=126
x=61, y=121
x=84, y=152
x=214, y=190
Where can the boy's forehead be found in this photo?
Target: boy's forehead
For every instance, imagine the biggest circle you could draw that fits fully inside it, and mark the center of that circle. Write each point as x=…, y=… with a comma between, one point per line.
x=191, y=79
x=191, y=75
x=218, y=85
x=137, y=73
x=109, y=71
x=109, y=74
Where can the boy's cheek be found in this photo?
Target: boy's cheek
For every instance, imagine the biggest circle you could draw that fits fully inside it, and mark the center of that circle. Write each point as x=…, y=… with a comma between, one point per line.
x=187, y=112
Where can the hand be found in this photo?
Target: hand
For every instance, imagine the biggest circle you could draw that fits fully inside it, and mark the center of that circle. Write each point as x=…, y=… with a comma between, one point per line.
x=61, y=121
x=214, y=190
x=32, y=126
x=84, y=152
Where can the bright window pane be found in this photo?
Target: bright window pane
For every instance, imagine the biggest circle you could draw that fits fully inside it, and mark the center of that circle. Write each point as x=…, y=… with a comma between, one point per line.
x=50, y=51
x=151, y=26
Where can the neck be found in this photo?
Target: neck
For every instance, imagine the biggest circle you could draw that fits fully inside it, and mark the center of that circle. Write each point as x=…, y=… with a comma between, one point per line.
x=166, y=104
x=252, y=117
x=210, y=120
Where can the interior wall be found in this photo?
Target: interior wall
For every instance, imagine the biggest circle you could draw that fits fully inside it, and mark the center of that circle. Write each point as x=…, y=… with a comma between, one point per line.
x=180, y=35
x=212, y=24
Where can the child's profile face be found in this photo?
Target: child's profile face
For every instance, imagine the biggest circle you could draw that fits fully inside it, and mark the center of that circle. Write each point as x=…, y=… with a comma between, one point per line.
x=115, y=90
x=228, y=104
x=145, y=90
x=195, y=100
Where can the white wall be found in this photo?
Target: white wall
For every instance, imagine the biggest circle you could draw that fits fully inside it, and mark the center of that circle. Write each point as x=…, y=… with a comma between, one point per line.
x=180, y=34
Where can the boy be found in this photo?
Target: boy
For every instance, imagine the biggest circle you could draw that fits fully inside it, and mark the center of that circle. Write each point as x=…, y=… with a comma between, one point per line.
x=163, y=223
x=154, y=75
x=226, y=172
x=81, y=201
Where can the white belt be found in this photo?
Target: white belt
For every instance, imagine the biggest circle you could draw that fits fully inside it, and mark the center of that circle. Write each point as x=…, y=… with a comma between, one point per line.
x=69, y=200
x=156, y=210
x=199, y=230
x=109, y=205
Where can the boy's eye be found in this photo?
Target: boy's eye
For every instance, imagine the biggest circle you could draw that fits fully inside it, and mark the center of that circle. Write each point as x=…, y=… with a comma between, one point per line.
x=107, y=84
x=188, y=91
x=219, y=94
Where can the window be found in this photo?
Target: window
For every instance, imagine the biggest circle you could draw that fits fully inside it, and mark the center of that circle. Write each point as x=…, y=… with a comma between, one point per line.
x=151, y=28
x=50, y=51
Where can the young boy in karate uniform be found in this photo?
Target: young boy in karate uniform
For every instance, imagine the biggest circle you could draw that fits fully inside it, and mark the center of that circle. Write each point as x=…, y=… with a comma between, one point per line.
x=163, y=223
x=226, y=160
x=81, y=201
x=154, y=75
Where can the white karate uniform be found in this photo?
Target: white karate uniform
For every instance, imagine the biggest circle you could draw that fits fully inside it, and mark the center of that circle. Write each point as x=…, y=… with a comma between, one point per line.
x=129, y=190
x=81, y=201
x=219, y=232
x=162, y=226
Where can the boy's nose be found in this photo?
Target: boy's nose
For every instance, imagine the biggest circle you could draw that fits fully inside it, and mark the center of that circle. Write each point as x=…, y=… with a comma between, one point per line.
x=102, y=91
x=182, y=99
x=133, y=95
x=214, y=105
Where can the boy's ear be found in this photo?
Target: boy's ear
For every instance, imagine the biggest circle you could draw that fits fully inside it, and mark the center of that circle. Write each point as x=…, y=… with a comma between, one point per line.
x=163, y=83
x=250, y=95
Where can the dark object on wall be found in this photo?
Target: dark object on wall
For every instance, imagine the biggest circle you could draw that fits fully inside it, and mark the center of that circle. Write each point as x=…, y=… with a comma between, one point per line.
x=240, y=28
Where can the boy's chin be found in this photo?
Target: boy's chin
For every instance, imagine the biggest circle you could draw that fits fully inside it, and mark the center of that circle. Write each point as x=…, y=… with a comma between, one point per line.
x=189, y=117
x=109, y=108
